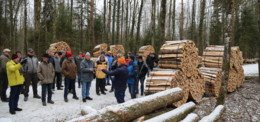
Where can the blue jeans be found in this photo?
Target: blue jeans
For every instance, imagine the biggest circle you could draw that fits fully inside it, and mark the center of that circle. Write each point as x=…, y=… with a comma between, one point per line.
x=14, y=96
x=46, y=88
x=69, y=83
x=132, y=90
x=85, y=89
x=120, y=95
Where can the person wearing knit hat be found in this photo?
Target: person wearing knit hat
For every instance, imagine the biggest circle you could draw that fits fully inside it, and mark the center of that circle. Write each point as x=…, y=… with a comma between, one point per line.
x=69, y=70
x=120, y=79
x=4, y=58
x=15, y=81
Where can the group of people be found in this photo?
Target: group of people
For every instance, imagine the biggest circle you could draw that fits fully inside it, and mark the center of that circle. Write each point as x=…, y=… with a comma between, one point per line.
x=117, y=70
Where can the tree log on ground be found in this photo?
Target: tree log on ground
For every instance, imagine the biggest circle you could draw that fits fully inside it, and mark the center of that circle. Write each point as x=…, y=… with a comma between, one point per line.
x=215, y=115
x=192, y=117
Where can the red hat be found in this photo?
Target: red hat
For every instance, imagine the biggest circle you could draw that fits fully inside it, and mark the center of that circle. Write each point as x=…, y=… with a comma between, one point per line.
x=68, y=54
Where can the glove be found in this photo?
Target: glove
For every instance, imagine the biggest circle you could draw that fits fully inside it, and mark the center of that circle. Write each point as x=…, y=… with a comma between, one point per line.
x=23, y=61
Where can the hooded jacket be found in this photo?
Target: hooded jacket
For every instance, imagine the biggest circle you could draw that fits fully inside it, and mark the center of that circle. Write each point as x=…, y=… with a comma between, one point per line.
x=45, y=73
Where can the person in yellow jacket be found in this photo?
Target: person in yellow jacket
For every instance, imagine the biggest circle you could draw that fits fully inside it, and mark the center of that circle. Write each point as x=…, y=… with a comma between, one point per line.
x=15, y=81
x=101, y=76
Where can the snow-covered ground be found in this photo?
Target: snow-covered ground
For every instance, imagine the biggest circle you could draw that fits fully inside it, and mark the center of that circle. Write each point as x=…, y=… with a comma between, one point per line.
x=61, y=111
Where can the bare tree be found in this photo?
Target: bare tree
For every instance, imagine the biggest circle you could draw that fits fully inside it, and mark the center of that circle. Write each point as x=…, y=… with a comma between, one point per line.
x=37, y=22
x=153, y=21
x=173, y=19
x=109, y=22
x=193, y=22
x=118, y=21
x=200, y=40
x=139, y=23
x=113, y=22
x=162, y=20
x=25, y=26
x=181, y=29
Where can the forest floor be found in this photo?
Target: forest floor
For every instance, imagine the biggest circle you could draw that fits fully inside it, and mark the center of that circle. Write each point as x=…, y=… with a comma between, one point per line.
x=242, y=105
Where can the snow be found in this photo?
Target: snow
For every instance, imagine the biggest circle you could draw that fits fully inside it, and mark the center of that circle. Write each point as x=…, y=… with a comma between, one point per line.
x=60, y=110
x=192, y=117
x=214, y=115
x=250, y=69
x=173, y=113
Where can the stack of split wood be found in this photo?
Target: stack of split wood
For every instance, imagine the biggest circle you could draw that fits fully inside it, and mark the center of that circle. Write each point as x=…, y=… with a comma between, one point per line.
x=181, y=60
x=59, y=46
x=213, y=58
x=115, y=49
x=146, y=50
x=100, y=48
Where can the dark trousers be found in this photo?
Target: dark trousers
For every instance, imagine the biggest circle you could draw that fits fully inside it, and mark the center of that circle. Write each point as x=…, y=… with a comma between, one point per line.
x=79, y=80
x=100, y=85
x=46, y=88
x=132, y=90
x=58, y=79
x=3, y=85
x=30, y=78
x=112, y=80
x=14, y=97
x=120, y=95
x=69, y=83
x=141, y=80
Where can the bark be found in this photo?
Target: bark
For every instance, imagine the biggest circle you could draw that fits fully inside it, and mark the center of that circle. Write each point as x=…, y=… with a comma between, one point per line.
x=126, y=22
x=193, y=23
x=113, y=23
x=215, y=115
x=92, y=24
x=122, y=22
x=132, y=41
x=169, y=21
x=153, y=21
x=104, y=35
x=162, y=20
x=37, y=22
x=25, y=26
x=118, y=21
x=139, y=23
x=109, y=22
x=81, y=25
x=173, y=19
x=200, y=40
x=181, y=21
x=258, y=15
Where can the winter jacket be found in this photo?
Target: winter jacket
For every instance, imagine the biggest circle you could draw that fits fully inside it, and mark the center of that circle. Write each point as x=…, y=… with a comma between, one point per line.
x=31, y=65
x=57, y=65
x=87, y=70
x=150, y=61
x=142, y=69
x=132, y=72
x=45, y=73
x=69, y=69
x=3, y=60
x=13, y=73
x=78, y=60
x=110, y=61
x=101, y=65
x=120, y=79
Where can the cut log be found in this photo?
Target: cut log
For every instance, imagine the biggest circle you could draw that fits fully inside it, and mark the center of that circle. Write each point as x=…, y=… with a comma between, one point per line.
x=174, y=115
x=115, y=49
x=59, y=46
x=192, y=117
x=215, y=115
x=135, y=108
x=99, y=49
x=145, y=50
x=196, y=86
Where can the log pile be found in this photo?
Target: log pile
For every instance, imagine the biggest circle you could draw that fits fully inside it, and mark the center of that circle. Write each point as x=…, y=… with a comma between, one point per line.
x=145, y=50
x=115, y=49
x=212, y=79
x=59, y=46
x=181, y=59
x=213, y=58
x=100, y=48
x=215, y=115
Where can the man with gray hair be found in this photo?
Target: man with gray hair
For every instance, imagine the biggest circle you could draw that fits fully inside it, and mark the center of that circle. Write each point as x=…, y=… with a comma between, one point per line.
x=4, y=58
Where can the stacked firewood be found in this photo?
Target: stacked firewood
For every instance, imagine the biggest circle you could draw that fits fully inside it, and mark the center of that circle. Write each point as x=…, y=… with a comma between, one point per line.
x=213, y=58
x=100, y=48
x=59, y=46
x=115, y=49
x=146, y=50
x=178, y=61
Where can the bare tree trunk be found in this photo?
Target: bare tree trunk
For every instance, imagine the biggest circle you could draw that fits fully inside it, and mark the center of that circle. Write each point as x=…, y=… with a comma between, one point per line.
x=118, y=21
x=12, y=44
x=25, y=26
x=92, y=35
x=162, y=20
x=71, y=14
x=193, y=23
x=173, y=19
x=258, y=15
x=153, y=21
x=104, y=35
x=132, y=47
x=139, y=23
x=109, y=22
x=37, y=22
x=81, y=25
x=182, y=20
x=126, y=22
x=114, y=19
x=200, y=40
x=169, y=21
x=122, y=22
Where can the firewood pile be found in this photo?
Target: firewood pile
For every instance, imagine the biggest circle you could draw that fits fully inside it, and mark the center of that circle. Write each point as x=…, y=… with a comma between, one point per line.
x=213, y=58
x=59, y=46
x=115, y=49
x=181, y=60
x=145, y=50
x=100, y=48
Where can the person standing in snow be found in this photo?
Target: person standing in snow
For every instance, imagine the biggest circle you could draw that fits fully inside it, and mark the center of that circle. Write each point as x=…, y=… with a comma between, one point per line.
x=78, y=60
x=100, y=76
x=15, y=81
x=132, y=76
x=57, y=68
x=120, y=79
x=142, y=71
x=87, y=75
x=152, y=61
x=69, y=70
x=4, y=58
x=110, y=59
x=46, y=74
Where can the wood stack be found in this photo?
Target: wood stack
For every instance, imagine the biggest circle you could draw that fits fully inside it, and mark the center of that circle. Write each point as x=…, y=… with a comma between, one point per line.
x=59, y=46
x=212, y=79
x=115, y=49
x=213, y=58
x=100, y=48
x=181, y=59
x=145, y=50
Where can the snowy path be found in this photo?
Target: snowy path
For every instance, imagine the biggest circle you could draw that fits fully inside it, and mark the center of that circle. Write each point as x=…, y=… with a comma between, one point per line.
x=33, y=111
x=251, y=69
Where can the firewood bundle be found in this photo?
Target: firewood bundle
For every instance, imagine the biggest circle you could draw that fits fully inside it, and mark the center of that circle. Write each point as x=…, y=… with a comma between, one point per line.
x=100, y=48
x=145, y=50
x=59, y=46
x=181, y=59
x=213, y=58
x=212, y=79
x=115, y=49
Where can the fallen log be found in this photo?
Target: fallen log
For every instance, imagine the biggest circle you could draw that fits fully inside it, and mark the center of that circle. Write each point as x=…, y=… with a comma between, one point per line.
x=115, y=49
x=192, y=117
x=135, y=108
x=174, y=115
x=59, y=46
x=215, y=115
x=145, y=50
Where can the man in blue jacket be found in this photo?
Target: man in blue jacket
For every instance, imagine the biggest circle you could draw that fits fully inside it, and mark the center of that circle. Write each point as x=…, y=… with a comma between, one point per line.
x=132, y=76
x=120, y=80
